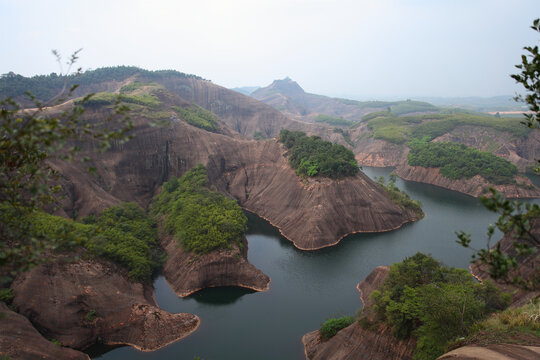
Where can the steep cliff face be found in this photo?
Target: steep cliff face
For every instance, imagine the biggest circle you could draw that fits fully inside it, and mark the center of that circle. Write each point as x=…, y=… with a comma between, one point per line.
x=79, y=302
x=20, y=340
x=312, y=214
x=474, y=186
x=355, y=342
x=188, y=272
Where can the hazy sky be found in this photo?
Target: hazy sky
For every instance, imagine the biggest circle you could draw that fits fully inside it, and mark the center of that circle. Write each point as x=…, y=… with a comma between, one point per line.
x=341, y=47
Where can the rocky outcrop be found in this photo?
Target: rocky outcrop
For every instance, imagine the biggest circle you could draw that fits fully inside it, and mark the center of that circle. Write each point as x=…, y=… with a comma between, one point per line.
x=313, y=213
x=528, y=268
x=355, y=342
x=374, y=280
x=188, y=272
x=20, y=340
x=81, y=302
x=474, y=186
x=493, y=352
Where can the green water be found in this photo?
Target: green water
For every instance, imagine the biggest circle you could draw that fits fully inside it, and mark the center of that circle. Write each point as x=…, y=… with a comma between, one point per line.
x=309, y=287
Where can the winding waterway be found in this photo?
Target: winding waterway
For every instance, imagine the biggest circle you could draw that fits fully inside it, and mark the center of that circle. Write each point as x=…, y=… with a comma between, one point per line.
x=309, y=287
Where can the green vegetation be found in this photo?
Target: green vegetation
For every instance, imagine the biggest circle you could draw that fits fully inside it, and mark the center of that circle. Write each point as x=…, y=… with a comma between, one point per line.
x=199, y=117
x=432, y=303
x=106, y=98
x=136, y=85
x=200, y=219
x=312, y=156
x=396, y=107
x=390, y=128
x=126, y=235
x=398, y=197
x=335, y=121
x=514, y=325
x=90, y=316
x=398, y=129
x=29, y=142
x=56, y=342
x=457, y=161
x=6, y=295
x=409, y=106
x=123, y=234
x=257, y=135
x=332, y=326
x=45, y=87
x=345, y=134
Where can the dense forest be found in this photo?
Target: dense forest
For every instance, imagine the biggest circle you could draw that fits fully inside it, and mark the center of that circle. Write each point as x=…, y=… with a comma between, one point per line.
x=312, y=156
x=200, y=219
x=431, y=303
x=457, y=161
x=45, y=87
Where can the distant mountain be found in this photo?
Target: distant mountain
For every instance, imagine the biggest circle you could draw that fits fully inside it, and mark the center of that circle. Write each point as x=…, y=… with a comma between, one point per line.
x=246, y=90
x=480, y=104
x=288, y=97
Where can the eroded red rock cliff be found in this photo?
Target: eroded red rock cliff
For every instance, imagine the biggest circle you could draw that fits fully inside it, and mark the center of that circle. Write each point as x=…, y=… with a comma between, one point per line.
x=82, y=301
x=188, y=272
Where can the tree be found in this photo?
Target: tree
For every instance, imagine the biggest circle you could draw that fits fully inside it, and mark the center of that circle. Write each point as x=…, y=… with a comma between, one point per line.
x=516, y=219
x=30, y=140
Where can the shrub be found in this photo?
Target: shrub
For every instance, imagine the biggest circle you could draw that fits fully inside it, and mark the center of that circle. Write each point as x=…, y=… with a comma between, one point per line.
x=332, y=326
x=434, y=304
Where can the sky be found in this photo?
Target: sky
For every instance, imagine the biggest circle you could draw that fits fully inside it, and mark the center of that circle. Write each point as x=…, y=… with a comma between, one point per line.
x=352, y=48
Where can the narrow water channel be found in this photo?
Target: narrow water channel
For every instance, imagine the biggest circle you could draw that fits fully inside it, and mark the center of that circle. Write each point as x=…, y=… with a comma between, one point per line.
x=309, y=287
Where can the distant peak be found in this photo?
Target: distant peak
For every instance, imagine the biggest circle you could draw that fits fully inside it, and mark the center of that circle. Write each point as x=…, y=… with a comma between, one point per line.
x=287, y=86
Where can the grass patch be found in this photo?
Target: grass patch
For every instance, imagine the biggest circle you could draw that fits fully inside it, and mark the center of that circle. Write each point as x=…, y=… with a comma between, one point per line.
x=199, y=117
x=105, y=98
x=513, y=326
x=335, y=121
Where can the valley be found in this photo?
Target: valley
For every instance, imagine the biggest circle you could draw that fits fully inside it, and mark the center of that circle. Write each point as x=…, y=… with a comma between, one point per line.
x=304, y=169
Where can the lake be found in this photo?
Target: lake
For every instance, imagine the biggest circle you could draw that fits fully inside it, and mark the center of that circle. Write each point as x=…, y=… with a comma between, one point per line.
x=309, y=287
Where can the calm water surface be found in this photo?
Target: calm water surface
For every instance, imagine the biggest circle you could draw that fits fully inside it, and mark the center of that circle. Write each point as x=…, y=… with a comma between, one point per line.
x=309, y=287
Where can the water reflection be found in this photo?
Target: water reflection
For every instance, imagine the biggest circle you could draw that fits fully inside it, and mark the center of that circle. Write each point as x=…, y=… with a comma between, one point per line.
x=220, y=296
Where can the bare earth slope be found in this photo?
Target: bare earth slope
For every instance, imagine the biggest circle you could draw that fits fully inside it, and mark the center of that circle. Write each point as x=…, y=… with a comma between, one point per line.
x=82, y=301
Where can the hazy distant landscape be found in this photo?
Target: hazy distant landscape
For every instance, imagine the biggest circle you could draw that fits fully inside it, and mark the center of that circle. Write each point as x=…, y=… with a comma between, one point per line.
x=270, y=180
